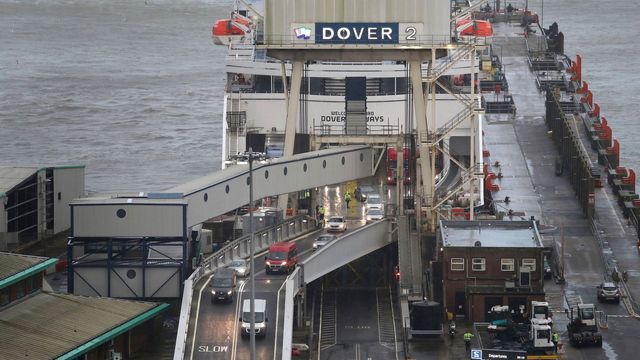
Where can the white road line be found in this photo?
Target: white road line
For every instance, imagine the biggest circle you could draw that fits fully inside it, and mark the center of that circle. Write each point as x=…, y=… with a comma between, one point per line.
x=234, y=343
x=320, y=322
x=195, y=328
x=275, y=340
x=393, y=319
x=378, y=311
x=335, y=316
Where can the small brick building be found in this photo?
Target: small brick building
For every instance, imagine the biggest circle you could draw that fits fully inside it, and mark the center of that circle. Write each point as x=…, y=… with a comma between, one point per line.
x=488, y=263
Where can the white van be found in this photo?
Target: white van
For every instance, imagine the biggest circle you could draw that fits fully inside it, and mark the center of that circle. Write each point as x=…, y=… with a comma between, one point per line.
x=260, y=311
x=374, y=201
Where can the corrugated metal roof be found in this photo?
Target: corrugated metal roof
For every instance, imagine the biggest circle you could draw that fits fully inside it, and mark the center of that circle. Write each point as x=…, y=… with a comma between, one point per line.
x=11, y=264
x=48, y=325
x=12, y=176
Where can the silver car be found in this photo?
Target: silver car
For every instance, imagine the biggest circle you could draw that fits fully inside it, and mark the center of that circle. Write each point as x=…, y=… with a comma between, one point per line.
x=242, y=267
x=374, y=214
x=323, y=240
x=337, y=223
x=608, y=291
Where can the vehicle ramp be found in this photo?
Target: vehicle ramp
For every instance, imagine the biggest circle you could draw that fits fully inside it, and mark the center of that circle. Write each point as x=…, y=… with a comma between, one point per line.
x=330, y=257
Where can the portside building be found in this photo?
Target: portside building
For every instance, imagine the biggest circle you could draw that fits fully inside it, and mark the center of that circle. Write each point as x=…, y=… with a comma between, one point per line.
x=488, y=263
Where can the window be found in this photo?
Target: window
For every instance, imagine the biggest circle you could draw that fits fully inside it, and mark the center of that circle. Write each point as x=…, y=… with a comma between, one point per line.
x=529, y=264
x=457, y=264
x=30, y=284
x=4, y=296
x=478, y=264
x=507, y=265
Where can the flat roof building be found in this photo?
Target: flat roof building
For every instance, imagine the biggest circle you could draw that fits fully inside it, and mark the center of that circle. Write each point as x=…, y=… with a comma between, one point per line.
x=488, y=263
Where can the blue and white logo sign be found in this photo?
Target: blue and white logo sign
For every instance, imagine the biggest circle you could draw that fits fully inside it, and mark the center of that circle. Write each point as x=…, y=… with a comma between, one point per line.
x=356, y=33
x=303, y=33
x=476, y=354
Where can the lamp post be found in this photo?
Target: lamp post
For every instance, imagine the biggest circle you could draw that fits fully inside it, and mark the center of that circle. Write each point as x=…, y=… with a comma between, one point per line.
x=252, y=328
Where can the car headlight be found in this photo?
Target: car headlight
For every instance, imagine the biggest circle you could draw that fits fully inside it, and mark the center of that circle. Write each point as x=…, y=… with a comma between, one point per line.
x=284, y=263
x=315, y=245
x=259, y=326
x=229, y=292
x=268, y=262
x=242, y=271
x=213, y=292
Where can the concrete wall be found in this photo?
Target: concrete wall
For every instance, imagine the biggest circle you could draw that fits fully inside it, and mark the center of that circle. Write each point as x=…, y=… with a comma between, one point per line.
x=68, y=184
x=101, y=220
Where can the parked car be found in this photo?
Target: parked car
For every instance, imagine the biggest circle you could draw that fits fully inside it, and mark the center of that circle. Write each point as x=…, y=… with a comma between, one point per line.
x=374, y=214
x=323, y=240
x=548, y=272
x=337, y=223
x=608, y=291
x=242, y=267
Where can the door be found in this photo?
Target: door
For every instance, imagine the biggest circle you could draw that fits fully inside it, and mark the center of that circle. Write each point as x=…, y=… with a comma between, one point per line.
x=460, y=303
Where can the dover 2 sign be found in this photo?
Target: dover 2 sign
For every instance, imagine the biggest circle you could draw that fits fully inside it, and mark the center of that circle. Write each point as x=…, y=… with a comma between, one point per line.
x=357, y=33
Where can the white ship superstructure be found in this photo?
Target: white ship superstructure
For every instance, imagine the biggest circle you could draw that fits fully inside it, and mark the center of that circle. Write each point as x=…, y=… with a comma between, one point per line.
x=255, y=104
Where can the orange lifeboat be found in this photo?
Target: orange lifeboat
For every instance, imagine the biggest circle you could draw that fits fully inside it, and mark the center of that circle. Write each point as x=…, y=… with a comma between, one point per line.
x=225, y=31
x=480, y=28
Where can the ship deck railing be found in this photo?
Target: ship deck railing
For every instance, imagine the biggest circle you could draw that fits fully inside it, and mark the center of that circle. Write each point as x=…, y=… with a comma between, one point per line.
x=338, y=130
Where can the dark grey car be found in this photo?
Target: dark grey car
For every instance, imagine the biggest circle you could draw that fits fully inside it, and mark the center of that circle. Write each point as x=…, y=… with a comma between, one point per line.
x=223, y=285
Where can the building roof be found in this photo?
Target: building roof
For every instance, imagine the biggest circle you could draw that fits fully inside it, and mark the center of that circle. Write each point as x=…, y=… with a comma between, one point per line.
x=15, y=267
x=52, y=325
x=490, y=234
x=11, y=177
x=125, y=200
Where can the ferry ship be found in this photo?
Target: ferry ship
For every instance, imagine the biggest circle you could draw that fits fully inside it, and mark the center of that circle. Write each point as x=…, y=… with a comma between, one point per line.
x=255, y=107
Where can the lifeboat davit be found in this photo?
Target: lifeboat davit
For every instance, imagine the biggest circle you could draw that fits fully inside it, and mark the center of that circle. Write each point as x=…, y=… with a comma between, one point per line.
x=225, y=31
x=477, y=28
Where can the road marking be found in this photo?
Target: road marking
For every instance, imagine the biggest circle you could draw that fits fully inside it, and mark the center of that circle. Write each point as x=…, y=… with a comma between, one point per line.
x=195, y=328
x=320, y=325
x=393, y=317
x=378, y=311
x=275, y=340
x=213, y=348
x=234, y=344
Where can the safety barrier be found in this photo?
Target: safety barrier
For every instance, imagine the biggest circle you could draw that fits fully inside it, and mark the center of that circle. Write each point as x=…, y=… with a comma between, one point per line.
x=572, y=153
x=240, y=248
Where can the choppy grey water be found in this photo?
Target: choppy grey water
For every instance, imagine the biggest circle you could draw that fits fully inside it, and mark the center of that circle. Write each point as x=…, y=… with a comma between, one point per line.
x=133, y=89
